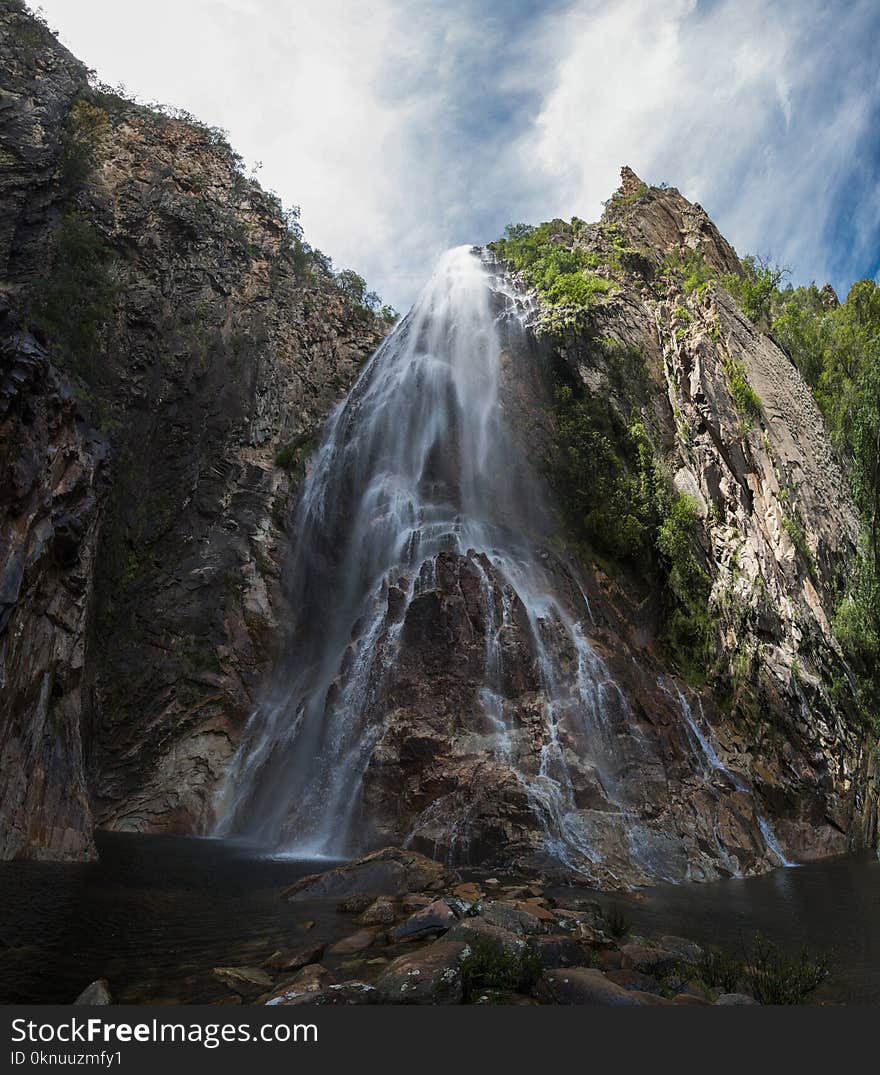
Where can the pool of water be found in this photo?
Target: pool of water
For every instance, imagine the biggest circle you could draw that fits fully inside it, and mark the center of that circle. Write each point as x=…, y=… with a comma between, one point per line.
x=830, y=906
x=155, y=914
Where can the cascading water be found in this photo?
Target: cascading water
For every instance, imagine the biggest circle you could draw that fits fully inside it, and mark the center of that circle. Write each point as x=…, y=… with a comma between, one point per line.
x=420, y=480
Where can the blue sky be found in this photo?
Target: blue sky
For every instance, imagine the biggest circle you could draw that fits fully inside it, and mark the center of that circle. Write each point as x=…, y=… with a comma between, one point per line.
x=402, y=127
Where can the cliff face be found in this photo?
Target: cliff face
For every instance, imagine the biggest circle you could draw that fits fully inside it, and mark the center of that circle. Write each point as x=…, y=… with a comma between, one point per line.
x=169, y=348
x=713, y=729
x=166, y=337
x=734, y=425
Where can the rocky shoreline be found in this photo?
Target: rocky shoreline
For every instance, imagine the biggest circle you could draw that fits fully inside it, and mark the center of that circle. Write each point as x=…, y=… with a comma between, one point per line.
x=395, y=927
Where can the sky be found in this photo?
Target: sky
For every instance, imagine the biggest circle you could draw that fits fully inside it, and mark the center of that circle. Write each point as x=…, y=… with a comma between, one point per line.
x=404, y=127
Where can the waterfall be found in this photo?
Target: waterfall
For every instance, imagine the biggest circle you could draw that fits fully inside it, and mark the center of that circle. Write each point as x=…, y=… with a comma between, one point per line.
x=419, y=473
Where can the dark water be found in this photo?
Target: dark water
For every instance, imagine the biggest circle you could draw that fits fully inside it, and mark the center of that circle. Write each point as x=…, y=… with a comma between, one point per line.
x=157, y=913
x=830, y=906
x=154, y=915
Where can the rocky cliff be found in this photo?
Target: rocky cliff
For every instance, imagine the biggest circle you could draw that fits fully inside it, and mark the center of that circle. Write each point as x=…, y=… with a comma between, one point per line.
x=662, y=352
x=170, y=346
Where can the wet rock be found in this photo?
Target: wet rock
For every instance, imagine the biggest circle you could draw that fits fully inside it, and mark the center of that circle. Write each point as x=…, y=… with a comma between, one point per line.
x=291, y=960
x=437, y=917
x=633, y=979
x=381, y=912
x=474, y=930
x=640, y=957
x=432, y=975
x=311, y=979
x=584, y=985
x=559, y=950
x=246, y=981
x=513, y=916
x=343, y=994
x=355, y=942
x=609, y=958
x=415, y=901
x=389, y=872
x=355, y=903
x=97, y=992
x=469, y=891
x=687, y=951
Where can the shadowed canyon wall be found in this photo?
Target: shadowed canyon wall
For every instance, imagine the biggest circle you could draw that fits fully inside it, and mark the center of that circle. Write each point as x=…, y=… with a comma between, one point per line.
x=166, y=336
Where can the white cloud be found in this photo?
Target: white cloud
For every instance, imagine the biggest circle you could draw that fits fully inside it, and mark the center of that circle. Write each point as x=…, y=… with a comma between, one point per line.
x=757, y=110
x=405, y=126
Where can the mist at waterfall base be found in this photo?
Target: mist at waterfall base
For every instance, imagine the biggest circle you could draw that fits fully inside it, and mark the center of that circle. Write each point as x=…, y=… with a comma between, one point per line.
x=418, y=463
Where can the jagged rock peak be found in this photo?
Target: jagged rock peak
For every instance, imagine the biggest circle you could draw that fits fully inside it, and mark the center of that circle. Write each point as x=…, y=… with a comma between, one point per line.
x=629, y=181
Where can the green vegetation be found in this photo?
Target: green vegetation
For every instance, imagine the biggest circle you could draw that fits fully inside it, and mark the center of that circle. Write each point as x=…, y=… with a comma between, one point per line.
x=768, y=973
x=619, y=504
x=745, y=398
x=490, y=965
x=777, y=978
x=837, y=349
x=85, y=126
x=695, y=273
x=77, y=296
x=561, y=271
x=354, y=288
x=756, y=288
x=616, y=922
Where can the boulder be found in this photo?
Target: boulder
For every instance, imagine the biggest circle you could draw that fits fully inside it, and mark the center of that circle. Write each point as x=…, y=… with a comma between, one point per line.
x=512, y=916
x=309, y=980
x=291, y=960
x=346, y=993
x=414, y=901
x=559, y=950
x=355, y=942
x=735, y=998
x=687, y=951
x=654, y=961
x=246, y=981
x=471, y=930
x=633, y=979
x=355, y=903
x=381, y=912
x=389, y=872
x=584, y=985
x=432, y=975
x=469, y=891
x=437, y=917
x=97, y=992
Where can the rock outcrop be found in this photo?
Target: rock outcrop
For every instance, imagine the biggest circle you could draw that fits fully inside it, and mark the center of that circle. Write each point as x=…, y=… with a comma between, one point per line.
x=166, y=337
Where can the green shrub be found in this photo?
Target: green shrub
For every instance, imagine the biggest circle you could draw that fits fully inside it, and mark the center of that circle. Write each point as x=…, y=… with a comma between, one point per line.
x=560, y=271
x=720, y=971
x=618, y=502
x=616, y=922
x=756, y=289
x=692, y=269
x=490, y=965
x=84, y=128
x=777, y=978
x=745, y=398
